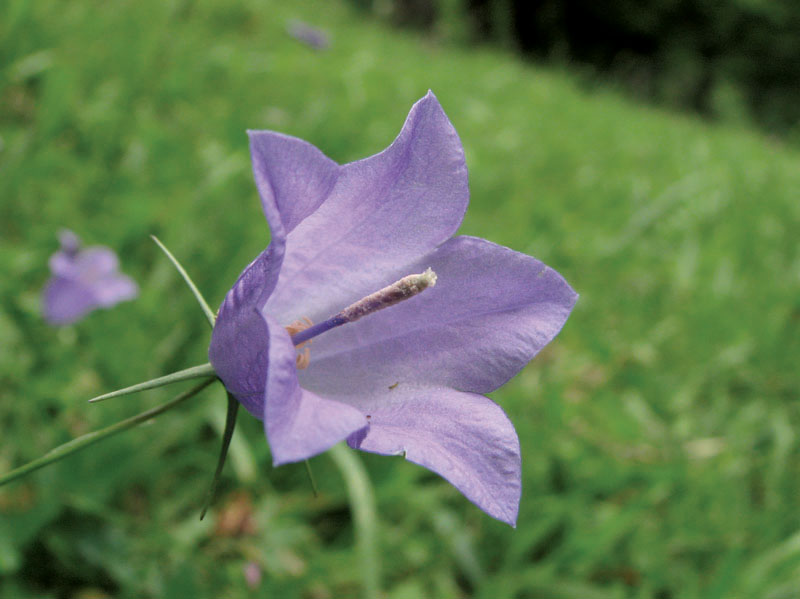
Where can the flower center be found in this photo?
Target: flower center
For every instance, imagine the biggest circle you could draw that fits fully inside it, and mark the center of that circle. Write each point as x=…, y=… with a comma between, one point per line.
x=302, y=331
x=294, y=328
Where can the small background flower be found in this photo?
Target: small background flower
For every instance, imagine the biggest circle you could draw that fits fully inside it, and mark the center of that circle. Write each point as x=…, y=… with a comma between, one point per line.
x=83, y=279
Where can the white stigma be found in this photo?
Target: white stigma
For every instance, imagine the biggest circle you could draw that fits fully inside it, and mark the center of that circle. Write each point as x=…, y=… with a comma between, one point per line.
x=397, y=292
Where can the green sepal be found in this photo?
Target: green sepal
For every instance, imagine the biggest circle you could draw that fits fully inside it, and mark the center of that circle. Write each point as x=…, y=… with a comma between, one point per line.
x=195, y=372
x=227, y=435
x=197, y=295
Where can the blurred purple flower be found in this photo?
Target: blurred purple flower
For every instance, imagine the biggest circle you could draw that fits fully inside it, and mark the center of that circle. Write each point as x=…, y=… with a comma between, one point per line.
x=83, y=280
x=408, y=380
x=310, y=36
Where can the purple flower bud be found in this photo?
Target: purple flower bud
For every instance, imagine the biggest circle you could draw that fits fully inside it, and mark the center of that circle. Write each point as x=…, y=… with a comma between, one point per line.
x=83, y=280
x=393, y=371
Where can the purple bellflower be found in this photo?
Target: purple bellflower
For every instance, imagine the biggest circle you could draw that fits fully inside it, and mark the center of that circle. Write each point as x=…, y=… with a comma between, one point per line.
x=83, y=280
x=303, y=341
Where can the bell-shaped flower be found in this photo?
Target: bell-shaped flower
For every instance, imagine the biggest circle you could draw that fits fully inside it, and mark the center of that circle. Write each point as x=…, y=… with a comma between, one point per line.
x=83, y=279
x=326, y=336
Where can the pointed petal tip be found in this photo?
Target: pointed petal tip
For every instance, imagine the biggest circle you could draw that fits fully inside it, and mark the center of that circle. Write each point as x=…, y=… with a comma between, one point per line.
x=290, y=453
x=281, y=457
x=507, y=515
x=428, y=98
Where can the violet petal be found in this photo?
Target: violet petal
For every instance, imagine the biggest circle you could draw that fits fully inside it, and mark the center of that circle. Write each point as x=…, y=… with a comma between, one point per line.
x=464, y=437
x=239, y=353
x=382, y=212
x=490, y=313
x=66, y=301
x=256, y=360
x=298, y=423
x=239, y=346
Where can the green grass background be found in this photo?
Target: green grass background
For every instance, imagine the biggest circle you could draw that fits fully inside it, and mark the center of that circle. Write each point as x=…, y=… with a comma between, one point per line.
x=659, y=431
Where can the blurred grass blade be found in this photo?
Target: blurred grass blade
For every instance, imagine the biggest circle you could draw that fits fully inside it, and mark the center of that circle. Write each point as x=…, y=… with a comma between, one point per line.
x=195, y=372
x=365, y=520
x=67, y=449
x=198, y=296
x=230, y=424
x=311, y=478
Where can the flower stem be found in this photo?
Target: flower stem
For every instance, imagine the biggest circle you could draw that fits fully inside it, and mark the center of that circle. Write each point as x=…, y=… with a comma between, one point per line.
x=230, y=424
x=198, y=296
x=82, y=442
x=195, y=372
x=365, y=520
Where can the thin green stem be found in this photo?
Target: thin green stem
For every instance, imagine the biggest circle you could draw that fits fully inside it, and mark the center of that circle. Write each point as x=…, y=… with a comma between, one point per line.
x=198, y=296
x=195, y=372
x=230, y=424
x=365, y=519
x=67, y=449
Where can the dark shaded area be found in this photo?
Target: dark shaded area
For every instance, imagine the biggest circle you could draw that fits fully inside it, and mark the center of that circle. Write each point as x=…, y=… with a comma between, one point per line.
x=731, y=59
x=67, y=557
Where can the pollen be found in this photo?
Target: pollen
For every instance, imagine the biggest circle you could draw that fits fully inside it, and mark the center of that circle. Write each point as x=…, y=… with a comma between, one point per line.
x=304, y=357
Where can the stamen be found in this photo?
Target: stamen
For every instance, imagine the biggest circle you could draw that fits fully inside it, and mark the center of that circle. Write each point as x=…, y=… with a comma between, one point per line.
x=303, y=359
x=299, y=325
x=405, y=288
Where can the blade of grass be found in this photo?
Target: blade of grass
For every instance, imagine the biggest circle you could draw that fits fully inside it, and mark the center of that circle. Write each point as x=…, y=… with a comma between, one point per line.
x=365, y=519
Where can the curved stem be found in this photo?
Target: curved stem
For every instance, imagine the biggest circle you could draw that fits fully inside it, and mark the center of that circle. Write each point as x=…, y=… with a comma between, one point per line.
x=365, y=520
x=67, y=449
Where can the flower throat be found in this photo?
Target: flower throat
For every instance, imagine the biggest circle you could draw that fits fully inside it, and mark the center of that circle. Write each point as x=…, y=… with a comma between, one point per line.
x=303, y=331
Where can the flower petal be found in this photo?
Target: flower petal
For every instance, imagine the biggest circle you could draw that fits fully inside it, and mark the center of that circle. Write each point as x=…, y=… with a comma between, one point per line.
x=490, y=313
x=382, y=212
x=464, y=437
x=239, y=353
x=255, y=358
x=115, y=288
x=240, y=342
x=293, y=178
x=298, y=423
x=66, y=300
x=89, y=264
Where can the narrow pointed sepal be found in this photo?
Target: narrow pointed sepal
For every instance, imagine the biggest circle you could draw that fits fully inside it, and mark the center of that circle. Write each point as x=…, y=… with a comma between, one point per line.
x=227, y=435
x=192, y=287
x=195, y=372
